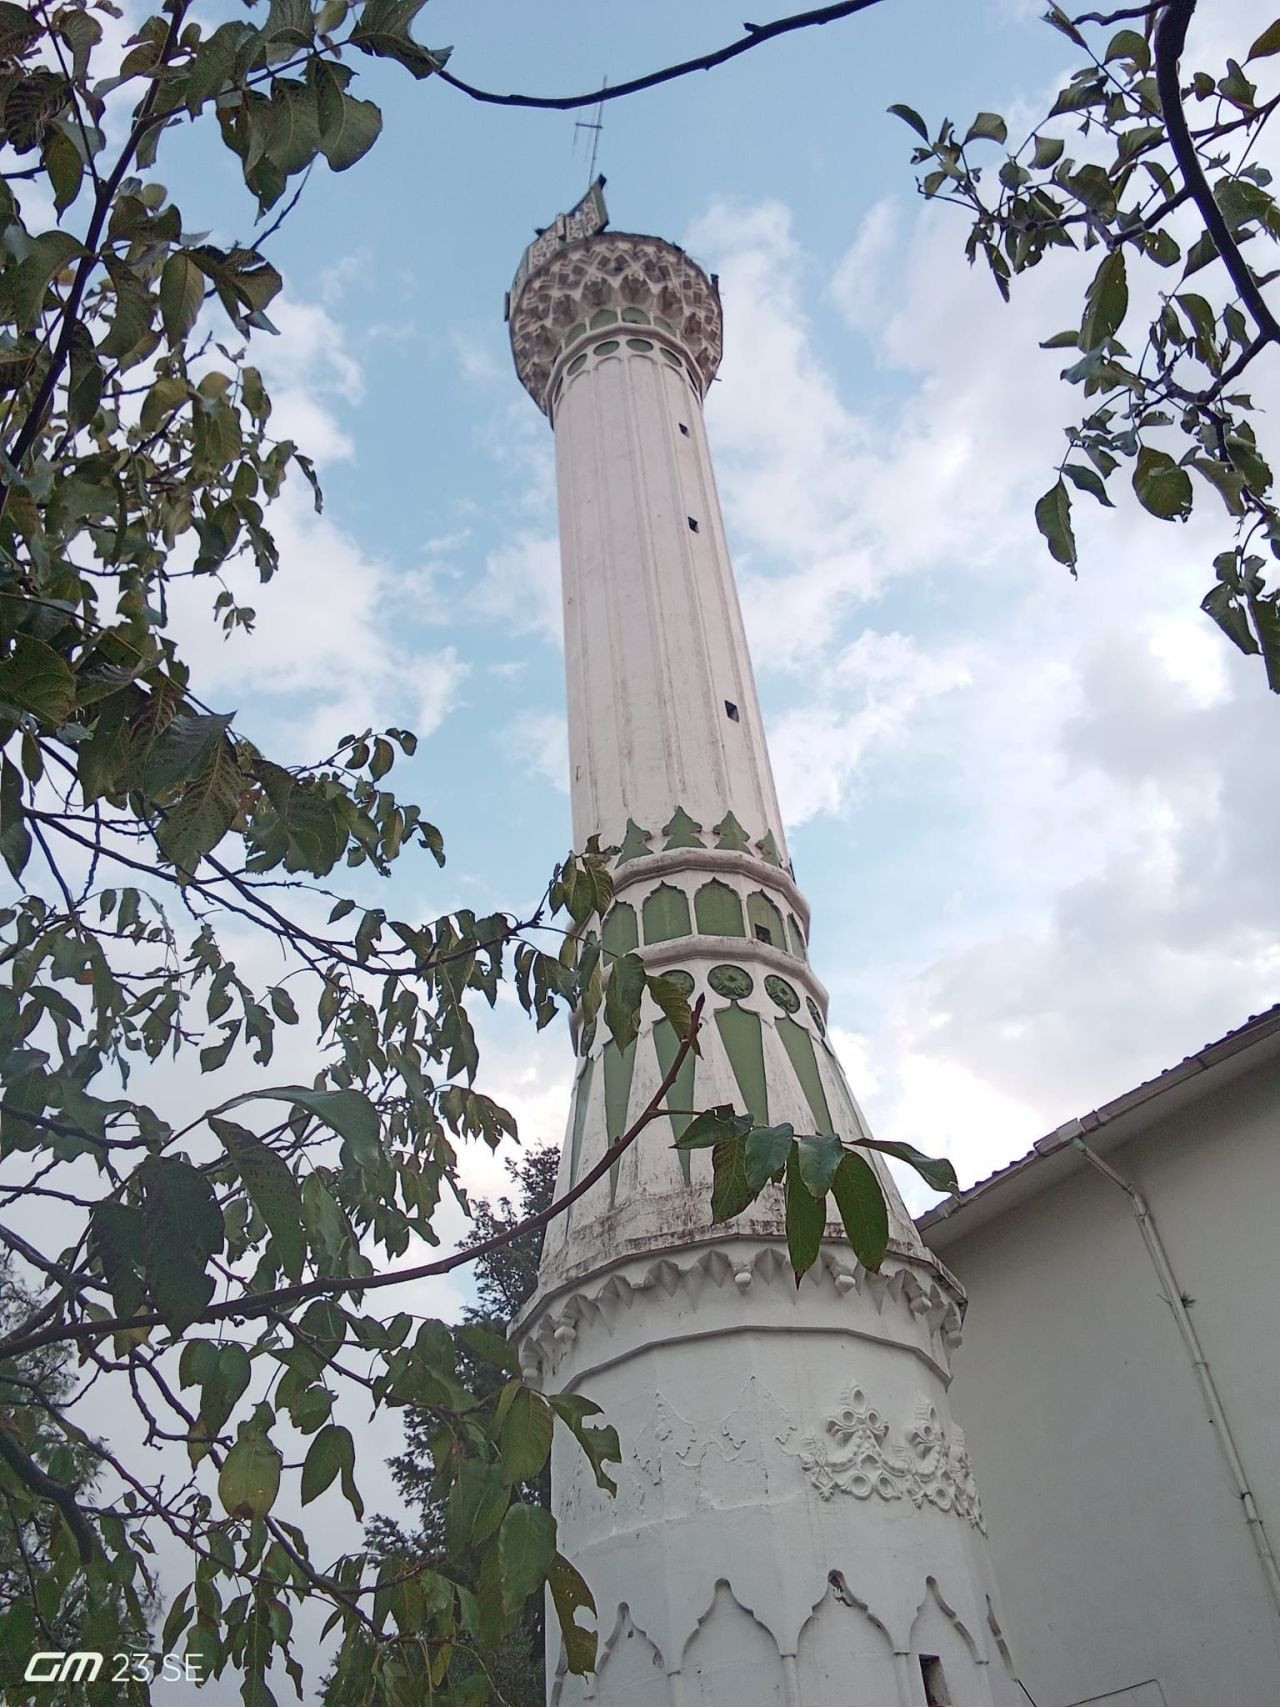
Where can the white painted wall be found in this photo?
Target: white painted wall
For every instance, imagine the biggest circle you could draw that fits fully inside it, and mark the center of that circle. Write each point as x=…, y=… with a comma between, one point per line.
x=1126, y=1570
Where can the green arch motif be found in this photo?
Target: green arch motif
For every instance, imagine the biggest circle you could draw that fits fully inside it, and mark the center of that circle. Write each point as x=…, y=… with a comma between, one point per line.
x=718, y=910
x=682, y=832
x=731, y=837
x=797, y=938
x=666, y=914
x=815, y=1014
x=619, y=1067
x=741, y=1033
x=763, y=915
x=799, y=1047
x=667, y=1046
x=635, y=843
x=621, y=932
x=780, y=992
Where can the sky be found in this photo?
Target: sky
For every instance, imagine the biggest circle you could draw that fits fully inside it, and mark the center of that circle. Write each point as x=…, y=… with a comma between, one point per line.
x=1035, y=817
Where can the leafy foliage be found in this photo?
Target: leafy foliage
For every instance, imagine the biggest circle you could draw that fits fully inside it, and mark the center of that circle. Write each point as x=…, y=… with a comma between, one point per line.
x=1152, y=167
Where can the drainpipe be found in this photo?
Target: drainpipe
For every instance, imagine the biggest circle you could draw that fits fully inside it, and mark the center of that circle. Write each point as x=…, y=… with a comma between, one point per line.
x=1173, y=1296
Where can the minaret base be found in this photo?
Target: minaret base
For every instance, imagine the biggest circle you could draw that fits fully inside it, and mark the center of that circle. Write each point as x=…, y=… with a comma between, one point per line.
x=796, y=1521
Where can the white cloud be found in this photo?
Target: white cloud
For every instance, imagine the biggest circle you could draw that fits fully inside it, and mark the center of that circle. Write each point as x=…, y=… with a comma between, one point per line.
x=521, y=587
x=539, y=740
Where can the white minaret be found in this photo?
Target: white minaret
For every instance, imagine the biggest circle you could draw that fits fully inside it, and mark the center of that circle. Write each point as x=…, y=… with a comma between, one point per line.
x=796, y=1521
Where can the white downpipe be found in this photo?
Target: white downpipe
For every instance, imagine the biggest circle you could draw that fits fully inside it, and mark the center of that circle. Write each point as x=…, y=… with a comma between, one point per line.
x=1199, y=1363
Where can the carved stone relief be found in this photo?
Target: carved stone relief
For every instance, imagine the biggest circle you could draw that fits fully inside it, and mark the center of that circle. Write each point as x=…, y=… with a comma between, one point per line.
x=928, y=1466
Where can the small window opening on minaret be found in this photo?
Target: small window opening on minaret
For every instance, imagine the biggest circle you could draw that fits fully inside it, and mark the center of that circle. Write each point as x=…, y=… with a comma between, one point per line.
x=684, y=429
x=935, y=1684
x=731, y=711
x=764, y=934
x=693, y=526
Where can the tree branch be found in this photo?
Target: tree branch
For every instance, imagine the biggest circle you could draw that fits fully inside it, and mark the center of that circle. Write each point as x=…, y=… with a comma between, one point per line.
x=263, y=1304
x=1170, y=39
x=757, y=34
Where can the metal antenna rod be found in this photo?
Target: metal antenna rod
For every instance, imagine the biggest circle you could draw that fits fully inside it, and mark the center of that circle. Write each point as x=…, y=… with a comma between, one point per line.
x=595, y=125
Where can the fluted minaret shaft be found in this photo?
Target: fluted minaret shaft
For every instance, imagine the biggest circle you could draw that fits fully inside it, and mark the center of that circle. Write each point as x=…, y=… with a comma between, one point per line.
x=796, y=1509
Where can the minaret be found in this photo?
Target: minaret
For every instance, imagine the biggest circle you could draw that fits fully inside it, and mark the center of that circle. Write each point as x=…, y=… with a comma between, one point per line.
x=796, y=1522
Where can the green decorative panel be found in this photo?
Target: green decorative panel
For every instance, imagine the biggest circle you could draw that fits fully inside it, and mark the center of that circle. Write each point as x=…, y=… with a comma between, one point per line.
x=815, y=1013
x=619, y=1065
x=640, y=344
x=682, y=831
x=740, y=1032
x=635, y=844
x=683, y=982
x=779, y=991
x=769, y=849
x=670, y=356
x=581, y=1097
x=764, y=917
x=608, y=348
x=666, y=914
x=577, y=364
x=603, y=317
x=799, y=1046
x=796, y=937
x=732, y=981
x=621, y=932
x=635, y=316
x=576, y=331
x=718, y=910
x=731, y=837
x=680, y=1095
x=661, y=320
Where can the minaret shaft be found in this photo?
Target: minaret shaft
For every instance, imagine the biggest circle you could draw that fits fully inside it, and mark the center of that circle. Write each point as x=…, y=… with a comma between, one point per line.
x=662, y=700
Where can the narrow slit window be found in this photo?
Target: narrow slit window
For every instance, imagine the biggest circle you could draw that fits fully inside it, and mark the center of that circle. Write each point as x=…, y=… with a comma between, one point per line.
x=684, y=429
x=935, y=1684
x=693, y=526
x=764, y=934
x=731, y=711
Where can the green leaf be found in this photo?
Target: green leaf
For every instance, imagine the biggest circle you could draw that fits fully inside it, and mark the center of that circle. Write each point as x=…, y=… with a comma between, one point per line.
x=183, y=750
x=206, y=811
x=819, y=1157
x=570, y=1595
x=806, y=1220
x=1128, y=44
x=934, y=1170
x=1048, y=151
x=622, y=994
x=1267, y=43
x=1053, y=518
x=526, y=1550
x=128, y=337
x=910, y=116
x=348, y=127
x=1162, y=487
x=292, y=126
x=1226, y=609
x=731, y=1191
x=383, y=29
x=250, y=1477
x=15, y=838
x=525, y=1437
x=674, y=1004
x=1106, y=302
x=476, y=1505
x=1226, y=481
x=65, y=167
x=115, y=1239
x=34, y=679
x=182, y=287
x=713, y=1127
x=1087, y=480
x=182, y=1229
x=765, y=1153
x=332, y=1453
x=862, y=1209
x=987, y=127
x=349, y=1113
x=272, y=1189
x=599, y=1442
x=25, y=285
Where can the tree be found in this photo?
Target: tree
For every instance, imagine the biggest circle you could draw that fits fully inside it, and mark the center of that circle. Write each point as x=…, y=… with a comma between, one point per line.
x=1161, y=199
x=218, y=1267
x=34, y=1391
x=505, y=1281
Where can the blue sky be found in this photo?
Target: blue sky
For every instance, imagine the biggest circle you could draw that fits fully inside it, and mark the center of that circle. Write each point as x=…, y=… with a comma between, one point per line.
x=1031, y=815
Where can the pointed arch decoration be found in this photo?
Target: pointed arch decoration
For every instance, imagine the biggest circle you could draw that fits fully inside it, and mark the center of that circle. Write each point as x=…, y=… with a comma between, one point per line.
x=667, y=1045
x=666, y=914
x=741, y=1033
x=718, y=910
x=799, y=1047
x=619, y=1068
x=762, y=915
